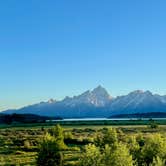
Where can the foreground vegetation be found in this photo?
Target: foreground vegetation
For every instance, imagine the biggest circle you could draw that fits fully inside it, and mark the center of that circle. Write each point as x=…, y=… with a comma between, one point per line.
x=84, y=146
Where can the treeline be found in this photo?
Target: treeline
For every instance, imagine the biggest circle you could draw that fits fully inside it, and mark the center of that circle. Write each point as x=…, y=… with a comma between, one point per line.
x=110, y=147
x=24, y=118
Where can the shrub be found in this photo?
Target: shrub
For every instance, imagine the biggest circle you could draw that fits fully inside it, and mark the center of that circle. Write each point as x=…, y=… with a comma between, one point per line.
x=49, y=152
x=154, y=146
x=109, y=137
x=153, y=125
x=158, y=162
x=27, y=144
x=91, y=156
x=117, y=157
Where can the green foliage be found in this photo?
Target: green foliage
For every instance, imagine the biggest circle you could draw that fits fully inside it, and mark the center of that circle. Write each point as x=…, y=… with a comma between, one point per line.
x=121, y=135
x=114, y=153
x=91, y=156
x=158, y=162
x=133, y=147
x=155, y=145
x=19, y=146
x=68, y=135
x=153, y=125
x=2, y=141
x=57, y=133
x=117, y=157
x=27, y=144
x=109, y=137
x=50, y=148
x=140, y=139
x=49, y=152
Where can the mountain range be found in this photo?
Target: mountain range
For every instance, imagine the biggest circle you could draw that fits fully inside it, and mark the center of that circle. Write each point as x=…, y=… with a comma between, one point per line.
x=97, y=103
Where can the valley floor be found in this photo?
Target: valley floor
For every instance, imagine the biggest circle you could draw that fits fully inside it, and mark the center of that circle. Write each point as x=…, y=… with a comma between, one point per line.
x=19, y=144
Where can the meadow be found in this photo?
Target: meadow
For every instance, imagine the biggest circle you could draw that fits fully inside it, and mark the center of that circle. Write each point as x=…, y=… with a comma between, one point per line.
x=19, y=143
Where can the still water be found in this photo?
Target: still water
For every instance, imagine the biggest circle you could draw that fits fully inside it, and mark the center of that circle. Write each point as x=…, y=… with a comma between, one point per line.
x=105, y=119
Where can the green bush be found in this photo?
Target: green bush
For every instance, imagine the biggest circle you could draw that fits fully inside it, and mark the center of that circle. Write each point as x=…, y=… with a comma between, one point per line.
x=117, y=157
x=91, y=156
x=49, y=152
x=155, y=145
x=158, y=162
x=109, y=136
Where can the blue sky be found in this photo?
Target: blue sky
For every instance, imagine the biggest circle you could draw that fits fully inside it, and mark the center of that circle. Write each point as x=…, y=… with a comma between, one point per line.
x=50, y=49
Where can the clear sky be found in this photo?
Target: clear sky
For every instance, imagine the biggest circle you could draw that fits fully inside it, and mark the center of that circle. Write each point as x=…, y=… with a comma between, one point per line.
x=54, y=48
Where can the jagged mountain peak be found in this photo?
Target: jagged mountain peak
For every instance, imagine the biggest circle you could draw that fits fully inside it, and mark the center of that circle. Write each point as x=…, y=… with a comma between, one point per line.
x=141, y=93
x=50, y=101
x=98, y=103
x=148, y=92
x=86, y=93
x=100, y=91
x=137, y=100
x=99, y=88
x=138, y=91
x=100, y=96
x=97, y=97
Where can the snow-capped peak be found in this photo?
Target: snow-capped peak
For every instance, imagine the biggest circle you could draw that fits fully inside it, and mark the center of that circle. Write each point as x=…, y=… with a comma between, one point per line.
x=100, y=91
x=98, y=97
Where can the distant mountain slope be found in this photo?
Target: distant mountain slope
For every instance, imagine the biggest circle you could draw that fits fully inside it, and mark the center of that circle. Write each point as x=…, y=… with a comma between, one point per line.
x=98, y=103
x=138, y=102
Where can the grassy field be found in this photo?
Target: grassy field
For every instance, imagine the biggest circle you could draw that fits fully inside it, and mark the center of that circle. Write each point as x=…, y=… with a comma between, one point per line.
x=86, y=123
x=19, y=143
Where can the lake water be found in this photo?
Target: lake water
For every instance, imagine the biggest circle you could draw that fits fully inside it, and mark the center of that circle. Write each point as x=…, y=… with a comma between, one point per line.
x=106, y=119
